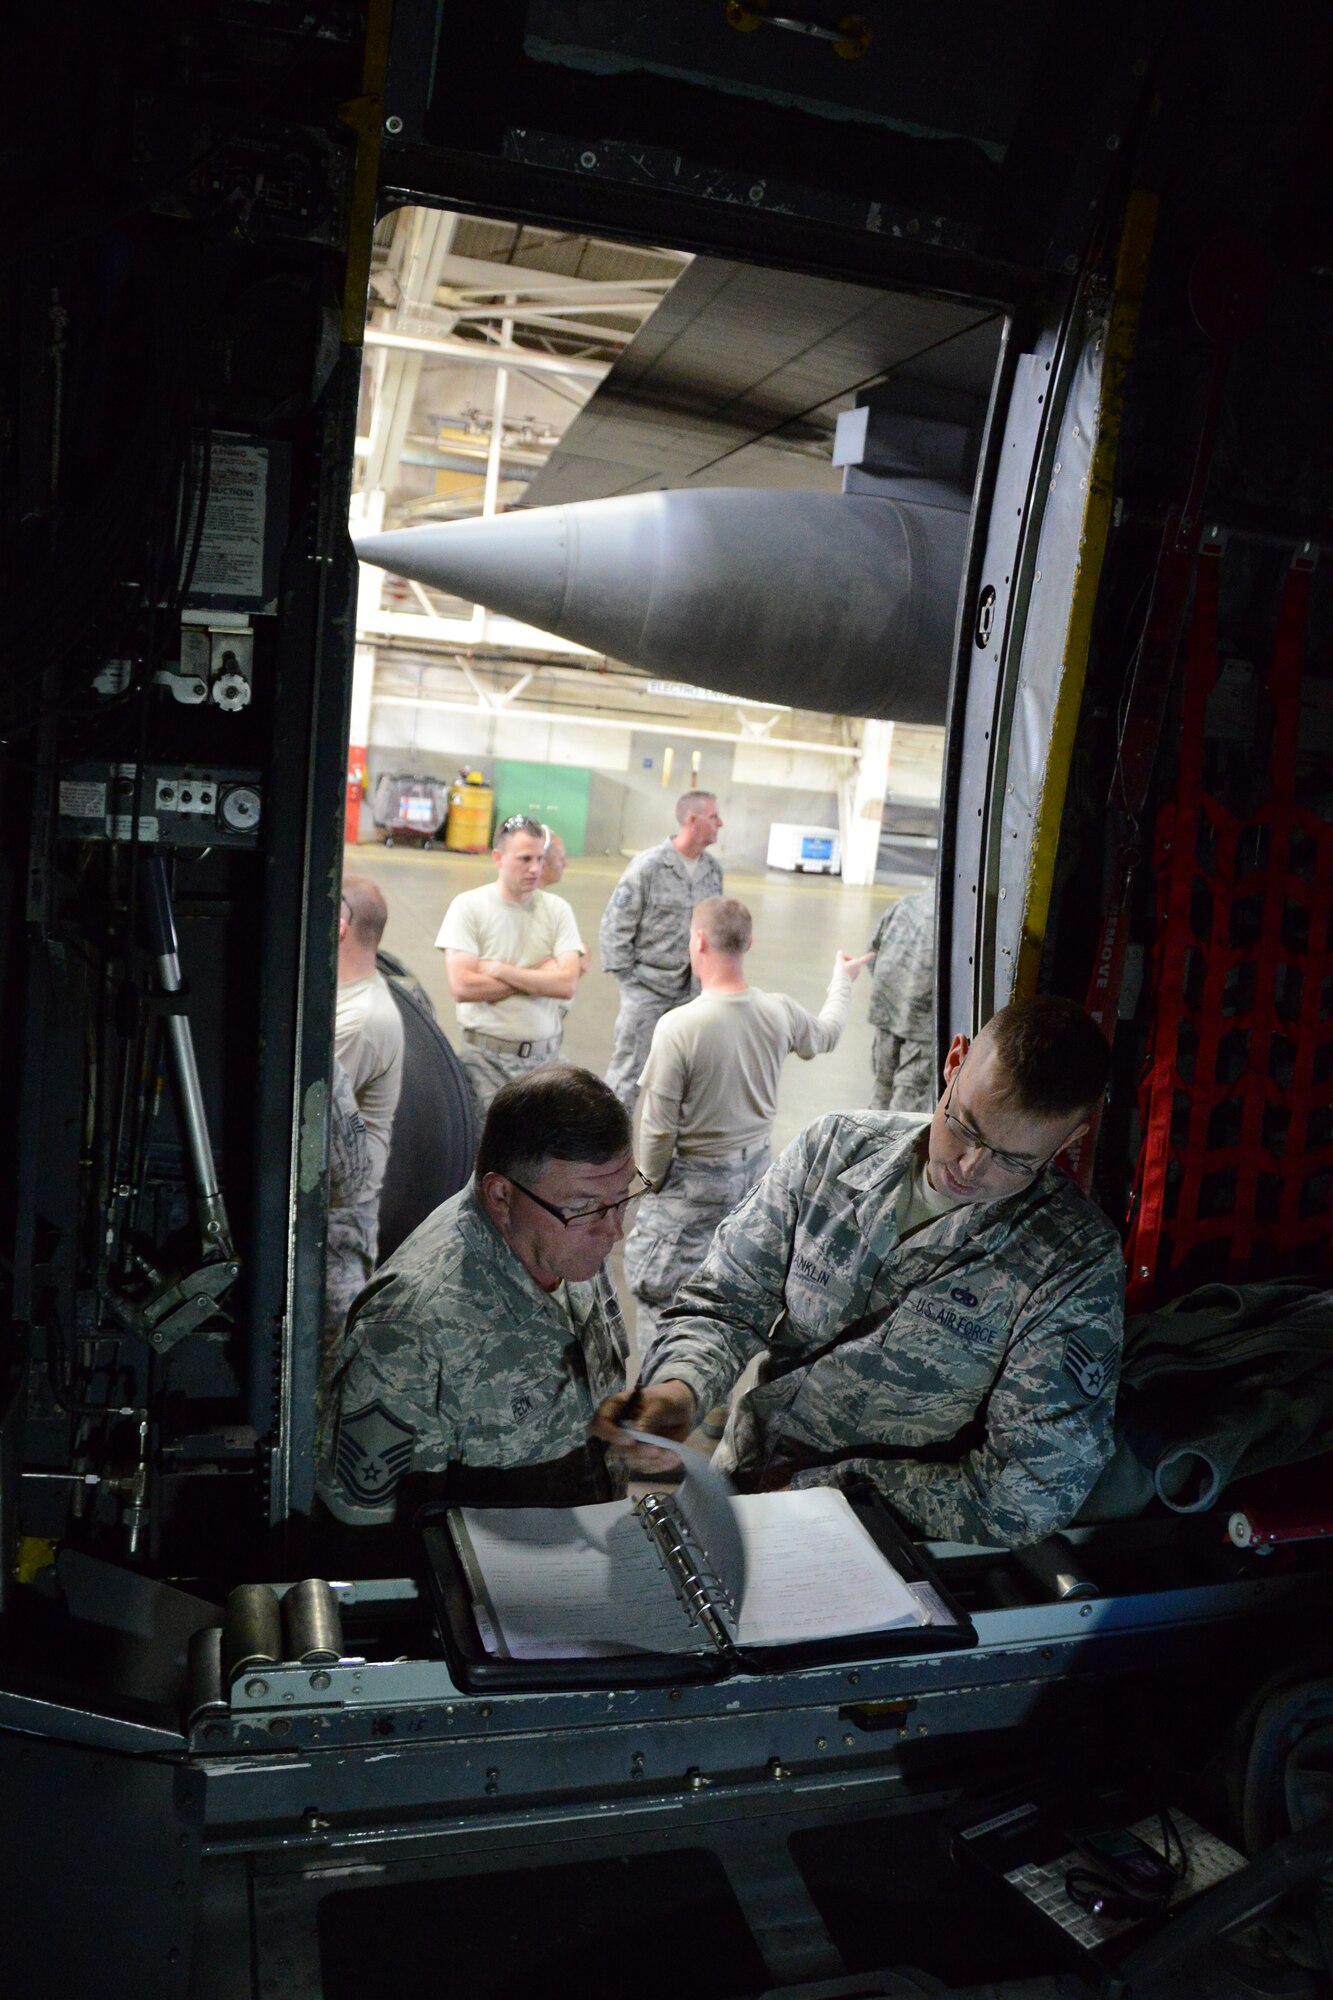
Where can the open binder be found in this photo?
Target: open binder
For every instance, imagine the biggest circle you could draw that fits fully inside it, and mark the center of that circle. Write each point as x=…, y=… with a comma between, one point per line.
x=626, y=1593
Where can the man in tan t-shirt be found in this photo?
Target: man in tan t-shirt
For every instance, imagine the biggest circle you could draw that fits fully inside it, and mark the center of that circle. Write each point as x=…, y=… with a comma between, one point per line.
x=512, y=957
x=710, y=1094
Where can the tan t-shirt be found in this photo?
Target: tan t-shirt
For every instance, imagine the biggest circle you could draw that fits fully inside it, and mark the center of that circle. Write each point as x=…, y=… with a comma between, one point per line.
x=368, y=1042
x=710, y=1084
x=481, y=923
x=918, y=1202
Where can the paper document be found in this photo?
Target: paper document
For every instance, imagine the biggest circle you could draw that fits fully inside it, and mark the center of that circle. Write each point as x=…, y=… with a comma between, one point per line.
x=813, y=1571
x=575, y=1582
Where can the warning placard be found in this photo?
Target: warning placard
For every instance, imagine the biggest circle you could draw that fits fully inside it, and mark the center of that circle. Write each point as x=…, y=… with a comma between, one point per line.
x=231, y=549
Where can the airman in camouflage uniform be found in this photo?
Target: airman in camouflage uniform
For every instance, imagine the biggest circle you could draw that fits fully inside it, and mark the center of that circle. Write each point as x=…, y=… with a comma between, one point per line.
x=354, y=1205
x=675, y=1226
x=902, y=1005
x=645, y=935
x=457, y=1362
x=936, y=1311
x=1016, y=1305
x=475, y=1358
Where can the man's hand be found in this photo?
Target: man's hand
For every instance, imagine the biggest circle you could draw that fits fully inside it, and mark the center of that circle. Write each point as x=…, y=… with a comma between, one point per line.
x=851, y=966
x=666, y=1409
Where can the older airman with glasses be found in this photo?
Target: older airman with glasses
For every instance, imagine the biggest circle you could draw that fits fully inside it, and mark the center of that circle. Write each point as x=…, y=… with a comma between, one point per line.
x=935, y=1307
x=474, y=1360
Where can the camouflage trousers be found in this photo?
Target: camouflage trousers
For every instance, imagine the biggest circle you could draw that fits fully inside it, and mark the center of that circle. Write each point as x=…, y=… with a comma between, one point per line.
x=347, y=1271
x=674, y=1227
x=640, y=1011
x=354, y=1215
x=904, y=1074
x=488, y=1069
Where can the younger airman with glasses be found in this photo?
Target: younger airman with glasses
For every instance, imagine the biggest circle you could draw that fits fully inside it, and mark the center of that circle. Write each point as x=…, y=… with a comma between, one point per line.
x=935, y=1306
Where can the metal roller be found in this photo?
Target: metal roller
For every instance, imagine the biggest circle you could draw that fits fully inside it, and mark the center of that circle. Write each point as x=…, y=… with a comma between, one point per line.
x=252, y=1629
x=312, y=1624
x=1054, y=1565
x=205, y=1688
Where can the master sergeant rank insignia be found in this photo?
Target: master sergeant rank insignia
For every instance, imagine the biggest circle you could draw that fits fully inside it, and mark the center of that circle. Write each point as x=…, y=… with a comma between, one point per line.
x=373, y=1452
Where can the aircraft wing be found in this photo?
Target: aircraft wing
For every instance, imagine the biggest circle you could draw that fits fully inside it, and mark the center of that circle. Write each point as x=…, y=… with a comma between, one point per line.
x=738, y=377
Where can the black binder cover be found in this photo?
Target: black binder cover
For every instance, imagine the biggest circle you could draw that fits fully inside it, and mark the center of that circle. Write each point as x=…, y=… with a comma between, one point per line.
x=475, y=1670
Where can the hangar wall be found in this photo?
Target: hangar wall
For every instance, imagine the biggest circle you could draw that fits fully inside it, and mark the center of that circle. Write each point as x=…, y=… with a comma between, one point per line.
x=630, y=799
x=629, y=806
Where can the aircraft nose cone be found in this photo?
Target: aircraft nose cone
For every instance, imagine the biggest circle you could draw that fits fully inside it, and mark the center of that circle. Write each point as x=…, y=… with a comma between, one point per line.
x=835, y=601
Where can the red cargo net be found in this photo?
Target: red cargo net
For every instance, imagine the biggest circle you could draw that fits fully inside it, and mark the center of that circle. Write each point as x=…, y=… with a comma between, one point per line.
x=1237, y=1141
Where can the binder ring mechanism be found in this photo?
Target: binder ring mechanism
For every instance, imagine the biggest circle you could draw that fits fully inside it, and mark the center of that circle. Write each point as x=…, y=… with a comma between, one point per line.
x=699, y=1588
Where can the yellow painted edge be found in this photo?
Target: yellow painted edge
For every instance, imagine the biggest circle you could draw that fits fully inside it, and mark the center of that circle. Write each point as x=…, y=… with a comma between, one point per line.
x=1130, y=276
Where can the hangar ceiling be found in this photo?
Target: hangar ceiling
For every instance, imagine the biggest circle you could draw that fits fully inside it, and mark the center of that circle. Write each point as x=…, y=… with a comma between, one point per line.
x=470, y=320
x=629, y=370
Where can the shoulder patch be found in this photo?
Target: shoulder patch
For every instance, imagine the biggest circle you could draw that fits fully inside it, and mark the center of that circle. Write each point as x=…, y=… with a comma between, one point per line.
x=372, y=1453
x=1091, y=1371
x=623, y=895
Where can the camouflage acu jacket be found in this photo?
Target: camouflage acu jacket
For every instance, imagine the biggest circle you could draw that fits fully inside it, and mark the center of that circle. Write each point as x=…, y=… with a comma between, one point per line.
x=456, y=1362
x=902, y=990
x=1001, y=1320
x=645, y=931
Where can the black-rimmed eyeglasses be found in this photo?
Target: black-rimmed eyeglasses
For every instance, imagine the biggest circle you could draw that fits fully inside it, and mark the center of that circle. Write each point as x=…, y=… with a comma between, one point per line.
x=598, y=1213
x=1008, y=1163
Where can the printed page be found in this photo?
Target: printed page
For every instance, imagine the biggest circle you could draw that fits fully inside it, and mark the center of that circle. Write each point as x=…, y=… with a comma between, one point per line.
x=813, y=1571
x=576, y=1583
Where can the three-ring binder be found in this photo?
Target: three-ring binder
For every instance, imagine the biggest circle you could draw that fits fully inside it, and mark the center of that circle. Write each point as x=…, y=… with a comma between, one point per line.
x=486, y=1652
x=700, y=1590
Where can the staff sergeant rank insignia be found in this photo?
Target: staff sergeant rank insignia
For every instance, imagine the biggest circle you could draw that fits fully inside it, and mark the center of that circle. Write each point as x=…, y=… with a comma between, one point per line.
x=373, y=1452
x=1091, y=1371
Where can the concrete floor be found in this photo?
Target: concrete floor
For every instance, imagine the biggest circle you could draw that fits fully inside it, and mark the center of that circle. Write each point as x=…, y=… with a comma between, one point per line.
x=799, y=922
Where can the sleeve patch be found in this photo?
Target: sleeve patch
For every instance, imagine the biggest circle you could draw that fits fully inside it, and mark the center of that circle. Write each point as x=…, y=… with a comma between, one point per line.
x=1091, y=1371
x=372, y=1454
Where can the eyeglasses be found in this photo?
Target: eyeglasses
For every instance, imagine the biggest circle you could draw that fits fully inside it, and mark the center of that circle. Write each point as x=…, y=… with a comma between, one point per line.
x=573, y=1216
x=1008, y=1163
x=521, y=823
